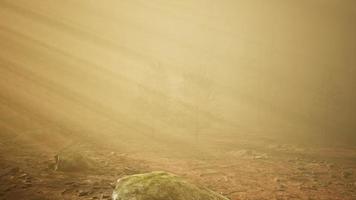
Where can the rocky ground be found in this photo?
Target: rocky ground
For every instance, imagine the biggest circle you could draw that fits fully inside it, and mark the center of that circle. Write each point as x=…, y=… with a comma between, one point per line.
x=242, y=172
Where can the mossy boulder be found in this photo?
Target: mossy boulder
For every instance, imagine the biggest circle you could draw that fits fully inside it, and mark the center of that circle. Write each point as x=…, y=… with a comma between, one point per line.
x=160, y=186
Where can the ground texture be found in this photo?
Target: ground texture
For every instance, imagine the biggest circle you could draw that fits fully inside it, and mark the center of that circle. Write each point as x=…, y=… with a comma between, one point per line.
x=243, y=171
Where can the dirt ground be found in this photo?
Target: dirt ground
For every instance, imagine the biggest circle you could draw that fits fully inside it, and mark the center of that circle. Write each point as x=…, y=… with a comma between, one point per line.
x=243, y=171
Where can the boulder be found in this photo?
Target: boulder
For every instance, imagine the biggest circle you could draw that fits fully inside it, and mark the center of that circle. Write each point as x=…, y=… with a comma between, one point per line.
x=160, y=186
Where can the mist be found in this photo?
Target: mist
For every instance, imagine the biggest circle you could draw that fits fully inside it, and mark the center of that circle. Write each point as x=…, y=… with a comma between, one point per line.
x=274, y=69
x=178, y=77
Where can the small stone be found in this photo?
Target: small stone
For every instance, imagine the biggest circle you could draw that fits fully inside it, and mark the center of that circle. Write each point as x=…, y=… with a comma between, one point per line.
x=281, y=188
x=23, y=175
x=346, y=174
x=330, y=166
x=313, y=187
x=64, y=191
x=83, y=193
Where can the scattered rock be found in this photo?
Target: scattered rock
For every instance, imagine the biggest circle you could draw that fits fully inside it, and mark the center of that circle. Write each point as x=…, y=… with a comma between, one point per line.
x=313, y=187
x=23, y=175
x=277, y=180
x=83, y=193
x=128, y=170
x=160, y=186
x=28, y=179
x=310, y=187
x=346, y=174
x=281, y=188
x=65, y=191
x=259, y=157
x=330, y=166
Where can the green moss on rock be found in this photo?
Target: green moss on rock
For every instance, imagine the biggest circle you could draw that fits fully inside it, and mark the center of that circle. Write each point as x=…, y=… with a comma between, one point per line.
x=160, y=186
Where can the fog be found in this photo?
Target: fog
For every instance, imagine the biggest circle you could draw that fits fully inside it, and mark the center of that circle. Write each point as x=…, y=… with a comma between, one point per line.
x=164, y=74
x=243, y=99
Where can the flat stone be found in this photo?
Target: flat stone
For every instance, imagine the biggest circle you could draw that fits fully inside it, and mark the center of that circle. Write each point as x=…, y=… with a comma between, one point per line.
x=83, y=193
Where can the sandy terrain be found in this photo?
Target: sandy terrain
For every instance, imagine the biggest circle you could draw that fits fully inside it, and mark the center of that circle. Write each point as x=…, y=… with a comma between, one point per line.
x=242, y=171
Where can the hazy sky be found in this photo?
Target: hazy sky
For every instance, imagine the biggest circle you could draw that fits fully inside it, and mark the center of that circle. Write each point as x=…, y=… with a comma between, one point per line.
x=173, y=68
